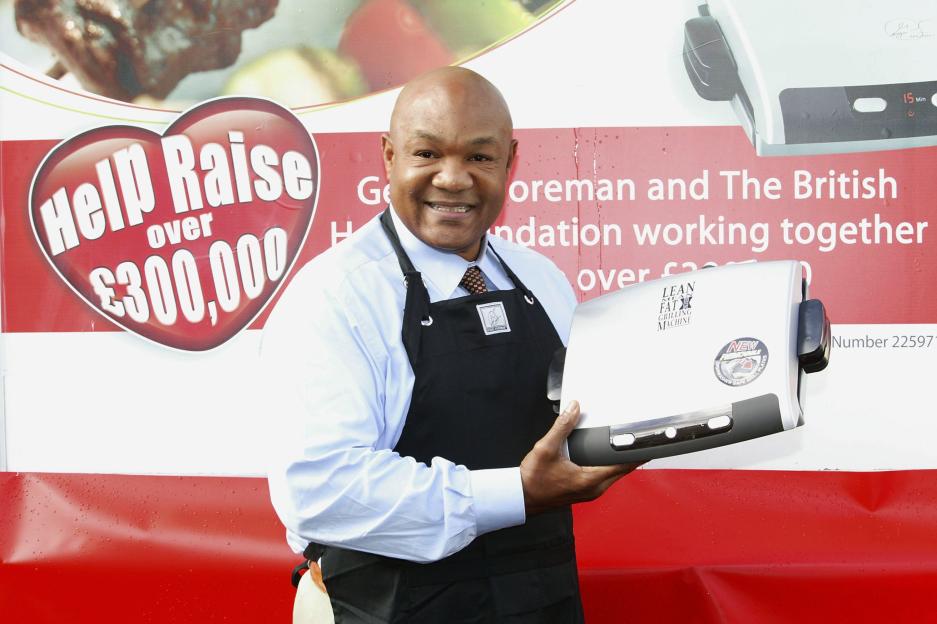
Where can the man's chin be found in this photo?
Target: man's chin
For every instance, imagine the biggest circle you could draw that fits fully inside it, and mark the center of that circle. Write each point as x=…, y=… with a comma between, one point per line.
x=467, y=247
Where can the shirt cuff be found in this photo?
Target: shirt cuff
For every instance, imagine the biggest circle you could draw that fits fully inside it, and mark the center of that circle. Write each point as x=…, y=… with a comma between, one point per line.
x=498, y=499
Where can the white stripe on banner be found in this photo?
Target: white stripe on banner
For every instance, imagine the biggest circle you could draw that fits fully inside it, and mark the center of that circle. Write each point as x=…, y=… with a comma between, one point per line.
x=112, y=403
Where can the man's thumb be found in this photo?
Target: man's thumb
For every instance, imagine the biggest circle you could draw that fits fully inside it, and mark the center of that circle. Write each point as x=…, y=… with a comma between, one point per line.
x=563, y=425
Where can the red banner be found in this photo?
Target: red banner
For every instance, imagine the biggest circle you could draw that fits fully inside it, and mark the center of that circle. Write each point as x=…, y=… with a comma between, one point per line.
x=665, y=546
x=612, y=206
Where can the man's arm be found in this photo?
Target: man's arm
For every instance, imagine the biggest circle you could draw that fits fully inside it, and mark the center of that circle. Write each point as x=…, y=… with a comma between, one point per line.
x=334, y=479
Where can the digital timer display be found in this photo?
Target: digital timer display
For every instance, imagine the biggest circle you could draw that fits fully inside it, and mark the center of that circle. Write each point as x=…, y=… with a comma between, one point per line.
x=863, y=112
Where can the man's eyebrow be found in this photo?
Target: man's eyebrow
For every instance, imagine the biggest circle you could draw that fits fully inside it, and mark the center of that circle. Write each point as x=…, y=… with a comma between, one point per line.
x=485, y=140
x=429, y=136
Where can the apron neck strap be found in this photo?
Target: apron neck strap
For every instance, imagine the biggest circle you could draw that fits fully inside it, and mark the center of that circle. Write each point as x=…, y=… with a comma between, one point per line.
x=416, y=306
x=406, y=266
x=387, y=223
x=518, y=284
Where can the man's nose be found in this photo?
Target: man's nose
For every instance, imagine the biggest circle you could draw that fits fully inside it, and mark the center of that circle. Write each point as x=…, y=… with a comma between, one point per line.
x=453, y=176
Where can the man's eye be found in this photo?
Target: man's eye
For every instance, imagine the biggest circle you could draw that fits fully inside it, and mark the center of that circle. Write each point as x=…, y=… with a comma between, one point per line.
x=480, y=158
x=424, y=154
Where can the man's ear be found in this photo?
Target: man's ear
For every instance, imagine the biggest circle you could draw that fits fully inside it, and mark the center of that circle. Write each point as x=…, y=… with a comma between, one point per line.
x=512, y=152
x=387, y=151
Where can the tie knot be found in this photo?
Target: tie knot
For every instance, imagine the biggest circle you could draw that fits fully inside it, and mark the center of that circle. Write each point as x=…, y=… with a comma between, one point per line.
x=473, y=281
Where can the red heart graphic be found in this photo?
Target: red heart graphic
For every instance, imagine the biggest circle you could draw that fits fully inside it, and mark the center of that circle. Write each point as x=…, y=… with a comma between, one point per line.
x=181, y=238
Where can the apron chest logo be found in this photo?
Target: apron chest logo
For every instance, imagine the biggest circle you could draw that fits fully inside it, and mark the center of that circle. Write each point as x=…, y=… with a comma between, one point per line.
x=494, y=318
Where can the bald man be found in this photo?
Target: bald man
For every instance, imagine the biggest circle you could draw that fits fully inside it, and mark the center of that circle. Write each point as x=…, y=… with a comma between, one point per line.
x=420, y=456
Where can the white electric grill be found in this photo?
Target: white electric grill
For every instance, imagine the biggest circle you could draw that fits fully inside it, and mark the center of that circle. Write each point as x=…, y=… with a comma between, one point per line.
x=809, y=77
x=690, y=362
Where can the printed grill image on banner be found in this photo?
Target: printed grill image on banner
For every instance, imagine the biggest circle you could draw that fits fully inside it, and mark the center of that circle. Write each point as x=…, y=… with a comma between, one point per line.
x=825, y=89
x=168, y=168
x=152, y=51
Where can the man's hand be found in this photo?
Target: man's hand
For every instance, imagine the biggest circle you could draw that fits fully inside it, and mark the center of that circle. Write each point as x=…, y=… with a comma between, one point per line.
x=550, y=480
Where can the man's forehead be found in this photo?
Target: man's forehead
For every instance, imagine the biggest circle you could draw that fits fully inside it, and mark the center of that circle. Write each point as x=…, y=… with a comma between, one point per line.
x=477, y=139
x=451, y=101
x=468, y=125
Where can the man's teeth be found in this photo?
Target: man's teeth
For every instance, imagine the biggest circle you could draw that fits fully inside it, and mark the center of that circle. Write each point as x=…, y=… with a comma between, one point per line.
x=449, y=208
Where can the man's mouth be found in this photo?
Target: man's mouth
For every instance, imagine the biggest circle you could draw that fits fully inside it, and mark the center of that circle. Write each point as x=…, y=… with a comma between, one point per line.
x=450, y=208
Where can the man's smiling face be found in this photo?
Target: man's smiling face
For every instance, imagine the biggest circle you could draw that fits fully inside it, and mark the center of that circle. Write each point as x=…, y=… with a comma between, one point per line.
x=447, y=158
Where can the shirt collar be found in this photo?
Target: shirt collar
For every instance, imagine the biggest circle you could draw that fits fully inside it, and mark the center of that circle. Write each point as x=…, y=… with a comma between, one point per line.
x=443, y=270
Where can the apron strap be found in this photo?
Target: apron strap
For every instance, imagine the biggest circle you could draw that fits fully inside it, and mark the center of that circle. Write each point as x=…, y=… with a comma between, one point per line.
x=416, y=308
x=387, y=223
x=298, y=572
x=313, y=552
x=528, y=295
x=417, y=304
x=407, y=268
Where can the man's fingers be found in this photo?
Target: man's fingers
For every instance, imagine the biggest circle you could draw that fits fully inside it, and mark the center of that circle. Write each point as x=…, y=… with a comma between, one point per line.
x=550, y=480
x=610, y=481
x=603, y=477
x=562, y=427
x=602, y=473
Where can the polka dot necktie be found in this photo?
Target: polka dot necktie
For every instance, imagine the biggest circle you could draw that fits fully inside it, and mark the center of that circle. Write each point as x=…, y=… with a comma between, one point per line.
x=473, y=281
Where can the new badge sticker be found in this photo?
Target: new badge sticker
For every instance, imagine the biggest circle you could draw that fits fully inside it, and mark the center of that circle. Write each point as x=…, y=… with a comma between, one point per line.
x=741, y=361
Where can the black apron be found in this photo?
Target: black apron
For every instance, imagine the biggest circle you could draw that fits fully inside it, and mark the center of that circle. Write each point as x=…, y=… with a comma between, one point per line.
x=478, y=400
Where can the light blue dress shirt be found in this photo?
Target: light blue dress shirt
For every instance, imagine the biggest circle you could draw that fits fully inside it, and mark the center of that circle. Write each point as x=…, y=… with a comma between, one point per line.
x=339, y=392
